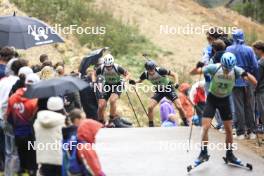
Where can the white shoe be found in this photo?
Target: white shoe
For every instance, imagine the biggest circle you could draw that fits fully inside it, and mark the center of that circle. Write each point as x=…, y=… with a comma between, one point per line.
x=222, y=130
x=239, y=137
x=252, y=136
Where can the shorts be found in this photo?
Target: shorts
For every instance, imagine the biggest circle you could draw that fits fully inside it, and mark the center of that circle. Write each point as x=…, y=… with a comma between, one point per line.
x=222, y=104
x=108, y=90
x=170, y=94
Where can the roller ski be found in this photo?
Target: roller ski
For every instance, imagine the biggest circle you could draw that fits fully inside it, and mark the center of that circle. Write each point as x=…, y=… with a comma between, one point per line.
x=203, y=157
x=230, y=159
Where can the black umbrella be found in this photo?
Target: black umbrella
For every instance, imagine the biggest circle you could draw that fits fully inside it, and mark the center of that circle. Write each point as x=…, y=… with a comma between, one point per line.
x=25, y=32
x=55, y=87
x=91, y=59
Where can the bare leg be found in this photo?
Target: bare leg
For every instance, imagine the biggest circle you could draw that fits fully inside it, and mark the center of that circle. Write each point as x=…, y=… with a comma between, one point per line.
x=206, y=123
x=152, y=104
x=229, y=135
x=113, y=99
x=101, y=109
x=179, y=107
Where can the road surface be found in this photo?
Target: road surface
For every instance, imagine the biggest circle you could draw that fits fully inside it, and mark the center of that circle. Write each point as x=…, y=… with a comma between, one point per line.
x=163, y=152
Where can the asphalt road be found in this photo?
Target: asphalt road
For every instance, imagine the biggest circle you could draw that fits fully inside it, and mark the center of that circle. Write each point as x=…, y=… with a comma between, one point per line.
x=163, y=152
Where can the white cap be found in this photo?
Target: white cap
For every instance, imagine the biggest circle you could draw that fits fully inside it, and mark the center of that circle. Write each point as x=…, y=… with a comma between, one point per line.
x=25, y=70
x=55, y=104
x=32, y=79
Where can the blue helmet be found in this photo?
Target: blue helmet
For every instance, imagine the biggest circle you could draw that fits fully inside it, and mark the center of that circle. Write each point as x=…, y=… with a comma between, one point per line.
x=150, y=65
x=228, y=60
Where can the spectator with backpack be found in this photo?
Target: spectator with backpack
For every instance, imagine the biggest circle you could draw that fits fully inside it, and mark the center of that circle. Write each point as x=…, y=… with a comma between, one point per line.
x=86, y=133
x=48, y=129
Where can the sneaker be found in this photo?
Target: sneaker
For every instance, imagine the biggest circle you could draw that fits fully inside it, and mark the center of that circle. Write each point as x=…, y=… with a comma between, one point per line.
x=232, y=158
x=126, y=122
x=119, y=124
x=122, y=119
x=239, y=137
x=203, y=156
x=252, y=136
x=151, y=124
x=222, y=130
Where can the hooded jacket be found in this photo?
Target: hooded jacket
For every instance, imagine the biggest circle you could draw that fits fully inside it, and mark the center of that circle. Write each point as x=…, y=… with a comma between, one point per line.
x=48, y=130
x=186, y=103
x=86, y=134
x=21, y=113
x=166, y=108
x=245, y=56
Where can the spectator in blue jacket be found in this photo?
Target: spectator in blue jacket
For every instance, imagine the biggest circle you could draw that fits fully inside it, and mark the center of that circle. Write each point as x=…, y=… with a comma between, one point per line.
x=243, y=93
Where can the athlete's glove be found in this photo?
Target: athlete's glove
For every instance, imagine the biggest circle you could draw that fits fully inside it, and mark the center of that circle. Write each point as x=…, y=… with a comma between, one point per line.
x=200, y=64
x=244, y=74
x=132, y=82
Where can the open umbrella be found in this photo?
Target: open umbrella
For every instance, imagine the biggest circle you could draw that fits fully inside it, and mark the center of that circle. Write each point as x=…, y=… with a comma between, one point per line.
x=25, y=32
x=91, y=59
x=55, y=87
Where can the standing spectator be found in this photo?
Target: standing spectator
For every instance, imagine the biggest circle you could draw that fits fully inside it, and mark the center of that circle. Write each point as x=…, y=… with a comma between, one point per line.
x=22, y=74
x=243, y=93
x=43, y=58
x=6, y=54
x=48, y=130
x=20, y=114
x=11, y=158
x=259, y=50
x=87, y=130
x=185, y=101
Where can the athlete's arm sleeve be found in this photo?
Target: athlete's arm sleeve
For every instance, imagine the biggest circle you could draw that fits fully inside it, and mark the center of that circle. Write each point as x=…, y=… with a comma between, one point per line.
x=163, y=71
x=210, y=69
x=239, y=72
x=98, y=71
x=121, y=70
x=143, y=76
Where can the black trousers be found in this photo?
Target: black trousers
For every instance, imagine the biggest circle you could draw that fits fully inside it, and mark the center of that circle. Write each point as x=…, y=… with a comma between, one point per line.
x=50, y=170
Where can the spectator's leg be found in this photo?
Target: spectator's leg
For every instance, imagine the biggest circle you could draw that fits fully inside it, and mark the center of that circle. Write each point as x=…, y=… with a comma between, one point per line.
x=250, y=109
x=238, y=95
x=2, y=147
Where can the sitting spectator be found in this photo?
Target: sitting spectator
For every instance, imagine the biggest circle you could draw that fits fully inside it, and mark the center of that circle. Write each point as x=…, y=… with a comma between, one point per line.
x=167, y=113
x=48, y=129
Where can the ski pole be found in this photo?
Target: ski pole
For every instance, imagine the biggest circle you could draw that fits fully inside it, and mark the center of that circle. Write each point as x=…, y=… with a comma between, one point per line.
x=140, y=101
x=132, y=107
x=190, y=136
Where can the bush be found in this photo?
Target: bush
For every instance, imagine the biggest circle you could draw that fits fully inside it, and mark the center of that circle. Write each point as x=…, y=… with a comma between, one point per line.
x=123, y=40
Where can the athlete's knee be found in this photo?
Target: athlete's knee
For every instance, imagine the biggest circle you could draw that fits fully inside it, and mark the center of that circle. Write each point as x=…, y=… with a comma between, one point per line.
x=150, y=108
